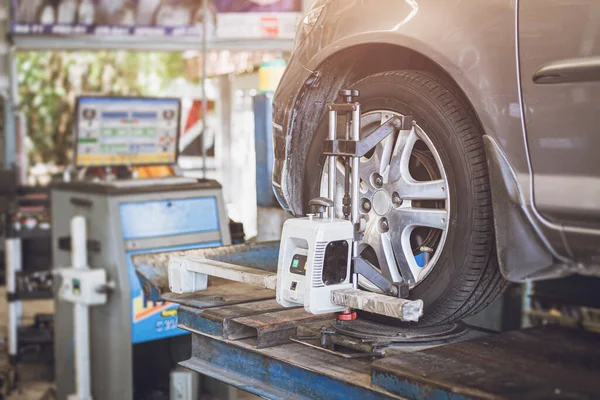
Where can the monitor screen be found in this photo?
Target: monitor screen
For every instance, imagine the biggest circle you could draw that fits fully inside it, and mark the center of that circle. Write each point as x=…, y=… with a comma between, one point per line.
x=112, y=131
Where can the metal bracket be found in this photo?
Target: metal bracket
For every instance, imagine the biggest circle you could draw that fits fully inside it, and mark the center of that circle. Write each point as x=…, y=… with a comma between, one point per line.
x=402, y=309
x=353, y=148
x=366, y=269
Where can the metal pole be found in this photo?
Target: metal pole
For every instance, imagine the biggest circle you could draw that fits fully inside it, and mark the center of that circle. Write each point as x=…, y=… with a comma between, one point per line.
x=81, y=313
x=10, y=94
x=332, y=162
x=355, y=162
x=355, y=186
x=204, y=97
x=13, y=266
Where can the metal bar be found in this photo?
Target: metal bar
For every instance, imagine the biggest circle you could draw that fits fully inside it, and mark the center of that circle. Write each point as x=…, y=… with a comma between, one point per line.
x=355, y=180
x=263, y=256
x=81, y=318
x=332, y=162
x=216, y=320
x=199, y=265
x=405, y=310
x=347, y=356
x=143, y=44
x=13, y=258
x=352, y=148
x=366, y=269
x=153, y=267
x=342, y=107
x=273, y=328
x=278, y=372
x=204, y=77
x=220, y=292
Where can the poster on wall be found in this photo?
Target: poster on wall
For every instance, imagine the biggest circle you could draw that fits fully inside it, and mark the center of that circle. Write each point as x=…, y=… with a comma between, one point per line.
x=162, y=18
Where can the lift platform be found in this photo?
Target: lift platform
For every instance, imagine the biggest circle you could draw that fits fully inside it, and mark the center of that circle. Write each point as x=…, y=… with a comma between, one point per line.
x=241, y=336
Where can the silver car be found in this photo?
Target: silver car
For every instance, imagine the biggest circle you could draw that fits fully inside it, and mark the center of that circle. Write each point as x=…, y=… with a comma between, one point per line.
x=500, y=179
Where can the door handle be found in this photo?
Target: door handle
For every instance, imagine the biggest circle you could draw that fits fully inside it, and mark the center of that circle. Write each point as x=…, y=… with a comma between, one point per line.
x=572, y=70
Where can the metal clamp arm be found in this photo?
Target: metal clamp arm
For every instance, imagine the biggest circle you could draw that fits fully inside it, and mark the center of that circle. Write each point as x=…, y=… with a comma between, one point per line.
x=353, y=148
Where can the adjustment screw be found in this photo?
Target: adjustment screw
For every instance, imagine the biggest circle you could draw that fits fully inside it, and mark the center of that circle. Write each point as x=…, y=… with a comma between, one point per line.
x=366, y=205
x=378, y=180
x=396, y=200
x=383, y=224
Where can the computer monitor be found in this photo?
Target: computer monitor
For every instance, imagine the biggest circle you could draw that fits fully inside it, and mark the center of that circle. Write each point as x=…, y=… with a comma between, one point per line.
x=113, y=131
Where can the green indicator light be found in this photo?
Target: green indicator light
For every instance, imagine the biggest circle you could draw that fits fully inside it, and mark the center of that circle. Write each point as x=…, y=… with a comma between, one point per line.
x=295, y=263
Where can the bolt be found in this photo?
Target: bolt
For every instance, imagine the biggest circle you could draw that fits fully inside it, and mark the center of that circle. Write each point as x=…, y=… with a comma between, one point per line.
x=383, y=224
x=426, y=249
x=366, y=205
x=397, y=123
x=396, y=200
x=378, y=180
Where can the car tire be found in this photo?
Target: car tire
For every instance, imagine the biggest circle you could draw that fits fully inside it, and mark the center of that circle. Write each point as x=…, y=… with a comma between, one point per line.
x=466, y=277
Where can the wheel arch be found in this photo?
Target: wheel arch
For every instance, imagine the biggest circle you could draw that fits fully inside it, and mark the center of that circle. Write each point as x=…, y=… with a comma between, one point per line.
x=351, y=64
x=345, y=67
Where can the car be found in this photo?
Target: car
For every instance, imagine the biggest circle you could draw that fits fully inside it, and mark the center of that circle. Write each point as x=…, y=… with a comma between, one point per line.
x=500, y=178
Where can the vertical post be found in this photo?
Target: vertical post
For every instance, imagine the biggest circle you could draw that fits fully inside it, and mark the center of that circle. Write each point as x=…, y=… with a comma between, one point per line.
x=204, y=97
x=527, y=293
x=81, y=313
x=13, y=266
x=332, y=162
x=355, y=185
x=8, y=89
x=355, y=163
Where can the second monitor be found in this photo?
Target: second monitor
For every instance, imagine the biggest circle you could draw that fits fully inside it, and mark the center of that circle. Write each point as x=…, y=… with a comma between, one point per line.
x=111, y=131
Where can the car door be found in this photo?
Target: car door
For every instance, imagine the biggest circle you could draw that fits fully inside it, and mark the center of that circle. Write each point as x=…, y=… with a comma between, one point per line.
x=559, y=57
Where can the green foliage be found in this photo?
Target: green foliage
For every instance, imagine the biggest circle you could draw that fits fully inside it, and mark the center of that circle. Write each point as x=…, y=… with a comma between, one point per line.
x=49, y=83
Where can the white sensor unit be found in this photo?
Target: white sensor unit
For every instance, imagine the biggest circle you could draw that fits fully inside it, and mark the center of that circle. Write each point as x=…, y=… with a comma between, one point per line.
x=314, y=260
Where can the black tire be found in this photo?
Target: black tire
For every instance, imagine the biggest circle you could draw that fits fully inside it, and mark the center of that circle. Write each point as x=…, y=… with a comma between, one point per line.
x=466, y=277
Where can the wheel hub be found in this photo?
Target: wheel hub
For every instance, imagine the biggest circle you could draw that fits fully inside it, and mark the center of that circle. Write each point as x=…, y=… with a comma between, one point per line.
x=382, y=203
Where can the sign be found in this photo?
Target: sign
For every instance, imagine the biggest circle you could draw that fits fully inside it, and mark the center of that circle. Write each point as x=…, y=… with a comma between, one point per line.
x=154, y=18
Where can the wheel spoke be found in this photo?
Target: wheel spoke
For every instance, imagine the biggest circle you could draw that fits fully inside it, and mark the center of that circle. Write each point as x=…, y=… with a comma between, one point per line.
x=401, y=155
x=398, y=250
x=382, y=248
x=427, y=190
x=372, y=165
x=412, y=216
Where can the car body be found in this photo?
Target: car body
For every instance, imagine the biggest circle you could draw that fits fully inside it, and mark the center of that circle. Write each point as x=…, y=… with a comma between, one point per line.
x=530, y=70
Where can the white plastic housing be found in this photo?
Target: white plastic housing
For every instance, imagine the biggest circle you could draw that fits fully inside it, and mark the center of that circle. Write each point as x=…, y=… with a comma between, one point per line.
x=182, y=280
x=309, y=237
x=80, y=286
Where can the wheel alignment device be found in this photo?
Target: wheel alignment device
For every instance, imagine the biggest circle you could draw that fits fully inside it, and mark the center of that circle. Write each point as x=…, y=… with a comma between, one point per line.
x=319, y=263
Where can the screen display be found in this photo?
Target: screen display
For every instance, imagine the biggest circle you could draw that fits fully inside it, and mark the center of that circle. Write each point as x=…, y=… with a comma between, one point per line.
x=126, y=131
